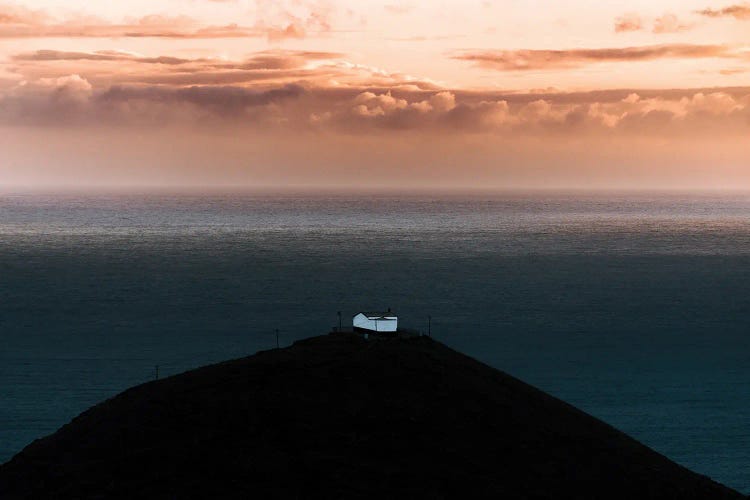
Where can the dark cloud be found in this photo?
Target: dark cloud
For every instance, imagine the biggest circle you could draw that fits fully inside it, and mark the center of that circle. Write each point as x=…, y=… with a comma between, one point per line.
x=737, y=11
x=104, y=55
x=521, y=60
x=274, y=67
x=223, y=77
x=224, y=100
x=113, y=67
x=271, y=60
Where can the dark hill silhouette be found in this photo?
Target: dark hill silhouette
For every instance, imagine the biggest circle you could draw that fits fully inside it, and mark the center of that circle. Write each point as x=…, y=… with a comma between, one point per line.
x=340, y=417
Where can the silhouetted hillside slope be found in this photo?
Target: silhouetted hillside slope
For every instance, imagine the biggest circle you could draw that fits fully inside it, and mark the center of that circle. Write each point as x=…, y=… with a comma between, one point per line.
x=340, y=417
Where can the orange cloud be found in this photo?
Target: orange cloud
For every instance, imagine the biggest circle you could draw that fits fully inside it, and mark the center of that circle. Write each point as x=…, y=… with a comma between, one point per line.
x=280, y=22
x=21, y=22
x=266, y=68
x=11, y=15
x=398, y=9
x=628, y=22
x=465, y=113
x=521, y=60
x=103, y=55
x=738, y=11
x=276, y=59
x=669, y=23
x=225, y=101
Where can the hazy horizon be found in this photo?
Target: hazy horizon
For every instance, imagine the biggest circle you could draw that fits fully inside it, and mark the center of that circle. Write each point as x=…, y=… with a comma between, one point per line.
x=314, y=191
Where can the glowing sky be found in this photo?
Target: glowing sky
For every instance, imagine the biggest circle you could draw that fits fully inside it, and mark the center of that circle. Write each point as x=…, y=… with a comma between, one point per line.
x=329, y=93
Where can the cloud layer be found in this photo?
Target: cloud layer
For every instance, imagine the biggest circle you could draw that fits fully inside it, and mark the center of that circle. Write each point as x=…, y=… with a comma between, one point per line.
x=304, y=91
x=322, y=91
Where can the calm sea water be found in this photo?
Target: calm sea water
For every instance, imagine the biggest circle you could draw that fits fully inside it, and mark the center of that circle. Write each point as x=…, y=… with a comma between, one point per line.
x=635, y=308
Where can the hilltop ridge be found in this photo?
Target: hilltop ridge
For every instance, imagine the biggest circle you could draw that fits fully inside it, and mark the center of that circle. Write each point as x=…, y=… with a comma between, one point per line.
x=340, y=417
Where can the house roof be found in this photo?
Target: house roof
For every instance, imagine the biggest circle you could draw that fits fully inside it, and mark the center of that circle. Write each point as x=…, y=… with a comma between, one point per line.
x=378, y=314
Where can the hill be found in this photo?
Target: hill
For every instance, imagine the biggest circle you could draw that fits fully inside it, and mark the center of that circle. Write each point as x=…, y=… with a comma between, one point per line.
x=339, y=417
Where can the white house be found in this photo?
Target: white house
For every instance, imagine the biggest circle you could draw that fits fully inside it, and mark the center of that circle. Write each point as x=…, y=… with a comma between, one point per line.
x=376, y=321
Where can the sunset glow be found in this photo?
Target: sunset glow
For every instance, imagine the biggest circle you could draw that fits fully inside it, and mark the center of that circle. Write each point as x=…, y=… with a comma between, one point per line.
x=412, y=94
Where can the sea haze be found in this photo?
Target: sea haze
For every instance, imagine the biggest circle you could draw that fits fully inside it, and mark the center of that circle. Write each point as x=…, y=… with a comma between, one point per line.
x=633, y=307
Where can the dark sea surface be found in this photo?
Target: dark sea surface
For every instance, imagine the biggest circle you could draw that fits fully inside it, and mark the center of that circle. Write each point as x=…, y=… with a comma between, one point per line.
x=633, y=307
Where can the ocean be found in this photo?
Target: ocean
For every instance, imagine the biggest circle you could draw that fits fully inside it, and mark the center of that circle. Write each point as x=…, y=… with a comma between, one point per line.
x=634, y=307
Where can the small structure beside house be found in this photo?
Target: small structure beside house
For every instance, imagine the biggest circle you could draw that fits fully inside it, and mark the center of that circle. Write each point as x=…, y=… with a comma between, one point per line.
x=375, y=322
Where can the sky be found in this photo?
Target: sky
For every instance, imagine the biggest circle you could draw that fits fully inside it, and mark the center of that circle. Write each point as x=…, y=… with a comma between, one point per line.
x=449, y=94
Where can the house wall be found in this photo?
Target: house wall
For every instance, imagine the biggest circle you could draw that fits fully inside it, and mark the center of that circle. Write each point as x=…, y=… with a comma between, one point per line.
x=381, y=325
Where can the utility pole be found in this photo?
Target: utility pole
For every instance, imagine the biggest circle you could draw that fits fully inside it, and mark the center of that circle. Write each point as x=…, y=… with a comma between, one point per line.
x=339, y=313
x=156, y=375
x=429, y=326
x=277, y=337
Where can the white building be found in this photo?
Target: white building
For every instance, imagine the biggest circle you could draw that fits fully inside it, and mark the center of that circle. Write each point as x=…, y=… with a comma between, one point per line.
x=376, y=321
